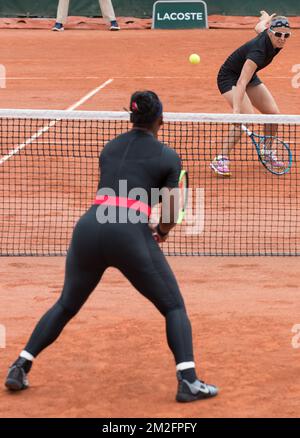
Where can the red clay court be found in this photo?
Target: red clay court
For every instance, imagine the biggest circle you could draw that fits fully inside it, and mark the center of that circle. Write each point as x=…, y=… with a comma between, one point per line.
x=242, y=309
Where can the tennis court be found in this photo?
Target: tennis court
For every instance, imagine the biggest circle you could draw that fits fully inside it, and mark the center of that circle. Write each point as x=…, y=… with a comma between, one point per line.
x=242, y=309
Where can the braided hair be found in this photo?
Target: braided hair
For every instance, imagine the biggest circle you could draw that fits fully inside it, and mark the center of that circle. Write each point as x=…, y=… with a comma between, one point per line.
x=145, y=108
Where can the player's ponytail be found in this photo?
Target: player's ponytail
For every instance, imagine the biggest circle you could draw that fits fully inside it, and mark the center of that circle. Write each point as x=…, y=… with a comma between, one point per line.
x=145, y=108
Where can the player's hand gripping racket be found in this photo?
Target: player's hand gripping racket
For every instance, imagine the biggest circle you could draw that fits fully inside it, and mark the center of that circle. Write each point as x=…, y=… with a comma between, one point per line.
x=274, y=154
x=183, y=185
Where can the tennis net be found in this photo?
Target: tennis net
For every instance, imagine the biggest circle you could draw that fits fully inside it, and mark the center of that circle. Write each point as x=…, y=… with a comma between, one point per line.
x=49, y=173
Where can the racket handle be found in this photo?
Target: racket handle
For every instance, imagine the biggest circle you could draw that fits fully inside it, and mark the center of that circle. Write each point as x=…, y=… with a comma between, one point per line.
x=245, y=129
x=155, y=237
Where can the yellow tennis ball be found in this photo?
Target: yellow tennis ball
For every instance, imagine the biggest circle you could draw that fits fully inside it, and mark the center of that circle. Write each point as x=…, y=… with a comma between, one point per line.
x=194, y=58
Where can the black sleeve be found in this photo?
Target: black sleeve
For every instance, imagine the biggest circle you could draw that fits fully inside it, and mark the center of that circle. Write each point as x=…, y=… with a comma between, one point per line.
x=171, y=168
x=258, y=56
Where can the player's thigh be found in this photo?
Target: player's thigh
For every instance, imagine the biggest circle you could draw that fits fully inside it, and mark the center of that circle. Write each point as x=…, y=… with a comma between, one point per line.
x=246, y=108
x=151, y=275
x=84, y=264
x=262, y=99
x=80, y=281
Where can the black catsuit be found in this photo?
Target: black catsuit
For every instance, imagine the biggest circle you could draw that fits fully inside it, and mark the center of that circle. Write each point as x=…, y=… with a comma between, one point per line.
x=142, y=161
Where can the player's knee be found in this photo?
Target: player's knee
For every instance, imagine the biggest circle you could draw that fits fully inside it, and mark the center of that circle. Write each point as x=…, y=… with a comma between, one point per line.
x=272, y=110
x=247, y=109
x=179, y=308
x=68, y=311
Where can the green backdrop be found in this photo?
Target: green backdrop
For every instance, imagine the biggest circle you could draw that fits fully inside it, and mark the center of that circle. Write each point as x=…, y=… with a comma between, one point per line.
x=142, y=8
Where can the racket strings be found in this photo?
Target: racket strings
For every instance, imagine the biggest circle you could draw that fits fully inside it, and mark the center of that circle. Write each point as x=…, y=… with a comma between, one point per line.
x=274, y=153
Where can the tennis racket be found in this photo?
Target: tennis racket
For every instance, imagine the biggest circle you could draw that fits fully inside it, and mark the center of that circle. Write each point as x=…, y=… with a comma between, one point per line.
x=183, y=186
x=182, y=202
x=274, y=154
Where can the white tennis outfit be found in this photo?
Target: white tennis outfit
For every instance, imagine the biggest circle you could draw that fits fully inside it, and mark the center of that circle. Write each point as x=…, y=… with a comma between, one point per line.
x=106, y=7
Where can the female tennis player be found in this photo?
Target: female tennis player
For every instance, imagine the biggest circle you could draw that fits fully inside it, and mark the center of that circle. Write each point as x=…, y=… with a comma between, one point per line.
x=241, y=87
x=138, y=159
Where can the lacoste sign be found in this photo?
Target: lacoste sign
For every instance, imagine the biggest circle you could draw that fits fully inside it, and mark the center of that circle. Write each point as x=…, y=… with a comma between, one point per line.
x=179, y=14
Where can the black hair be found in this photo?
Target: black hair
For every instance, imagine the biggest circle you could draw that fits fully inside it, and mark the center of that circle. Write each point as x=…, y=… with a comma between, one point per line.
x=145, y=108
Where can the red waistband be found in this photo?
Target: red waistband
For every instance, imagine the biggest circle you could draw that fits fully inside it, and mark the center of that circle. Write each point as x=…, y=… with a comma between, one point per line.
x=123, y=202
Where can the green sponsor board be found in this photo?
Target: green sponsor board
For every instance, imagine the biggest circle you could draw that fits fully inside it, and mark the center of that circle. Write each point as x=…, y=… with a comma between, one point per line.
x=179, y=15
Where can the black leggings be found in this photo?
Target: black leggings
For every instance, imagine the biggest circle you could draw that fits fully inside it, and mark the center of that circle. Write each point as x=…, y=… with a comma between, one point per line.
x=131, y=249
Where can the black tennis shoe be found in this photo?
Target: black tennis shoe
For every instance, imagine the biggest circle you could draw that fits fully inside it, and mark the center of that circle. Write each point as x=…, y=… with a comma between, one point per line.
x=16, y=379
x=198, y=390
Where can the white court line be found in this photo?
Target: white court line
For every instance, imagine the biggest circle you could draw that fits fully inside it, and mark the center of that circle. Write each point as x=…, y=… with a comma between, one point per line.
x=77, y=78
x=190, y=77
x=89, y=95
x=80, y=78
x=45, y=78
x=46, y=128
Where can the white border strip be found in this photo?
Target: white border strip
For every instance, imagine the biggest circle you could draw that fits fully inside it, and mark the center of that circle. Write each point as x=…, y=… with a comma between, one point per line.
x=169, y=117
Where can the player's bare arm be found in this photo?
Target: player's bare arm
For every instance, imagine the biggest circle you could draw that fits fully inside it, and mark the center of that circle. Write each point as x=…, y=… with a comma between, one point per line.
x=264, y=21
